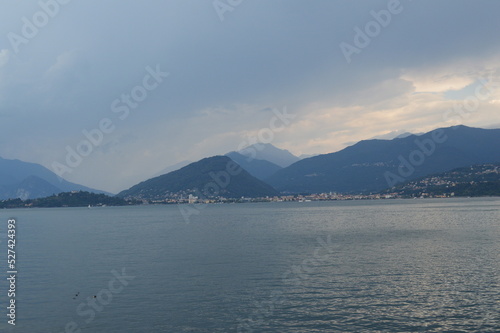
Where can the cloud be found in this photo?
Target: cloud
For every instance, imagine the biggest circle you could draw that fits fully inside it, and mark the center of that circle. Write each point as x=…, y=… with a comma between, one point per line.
x=388, y=106
x=225, y=77
x=4, y=57
x=63, y=63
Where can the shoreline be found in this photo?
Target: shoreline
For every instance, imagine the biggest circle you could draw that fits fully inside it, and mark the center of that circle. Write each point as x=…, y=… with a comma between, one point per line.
x=259, y=200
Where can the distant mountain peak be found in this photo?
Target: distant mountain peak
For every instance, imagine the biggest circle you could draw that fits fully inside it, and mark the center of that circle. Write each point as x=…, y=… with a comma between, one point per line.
x=399, y=134
x=271, y=153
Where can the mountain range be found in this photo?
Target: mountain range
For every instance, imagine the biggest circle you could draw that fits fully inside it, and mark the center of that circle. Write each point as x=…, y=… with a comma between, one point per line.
x=26, y=180
x=260, y=160
x=268, y=152
x=373, y=165
x=367, y=166
x=207, y=178
x=260, y=169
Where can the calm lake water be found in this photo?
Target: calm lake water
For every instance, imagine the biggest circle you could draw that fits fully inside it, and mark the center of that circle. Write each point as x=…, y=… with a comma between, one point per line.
x=359, y=266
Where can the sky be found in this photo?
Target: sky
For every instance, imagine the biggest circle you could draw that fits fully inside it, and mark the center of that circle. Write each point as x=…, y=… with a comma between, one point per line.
x=108, y=93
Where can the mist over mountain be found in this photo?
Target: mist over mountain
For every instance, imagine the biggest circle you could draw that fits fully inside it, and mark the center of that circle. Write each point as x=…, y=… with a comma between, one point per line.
x=302, y=156
x=173, y=167
x=394, y=135
x=261, y=169
x=268, y=152
x=25, y=180
x=373, y=165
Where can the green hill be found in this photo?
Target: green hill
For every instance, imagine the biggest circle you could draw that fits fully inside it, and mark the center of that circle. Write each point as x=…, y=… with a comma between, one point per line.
x=477, y=180
x=212, y=177
x=67, y=199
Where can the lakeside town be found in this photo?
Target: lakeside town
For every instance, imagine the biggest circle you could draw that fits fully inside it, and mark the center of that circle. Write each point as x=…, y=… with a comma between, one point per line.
x=86, y=199
x=191, y=199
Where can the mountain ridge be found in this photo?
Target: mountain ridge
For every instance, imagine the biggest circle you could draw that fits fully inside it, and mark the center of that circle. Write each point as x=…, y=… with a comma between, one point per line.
x=209, y=177
x=365, y=166
x=260, y=169
x=475, y=180
x=26, y=180
x=271, y=153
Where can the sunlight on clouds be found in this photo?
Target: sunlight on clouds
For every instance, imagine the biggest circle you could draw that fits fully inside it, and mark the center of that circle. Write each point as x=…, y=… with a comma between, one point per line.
x=437, y=82
x=452, y=76
x=329, y=129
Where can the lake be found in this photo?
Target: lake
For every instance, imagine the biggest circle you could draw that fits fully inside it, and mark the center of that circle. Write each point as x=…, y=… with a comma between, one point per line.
x=352, y=266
